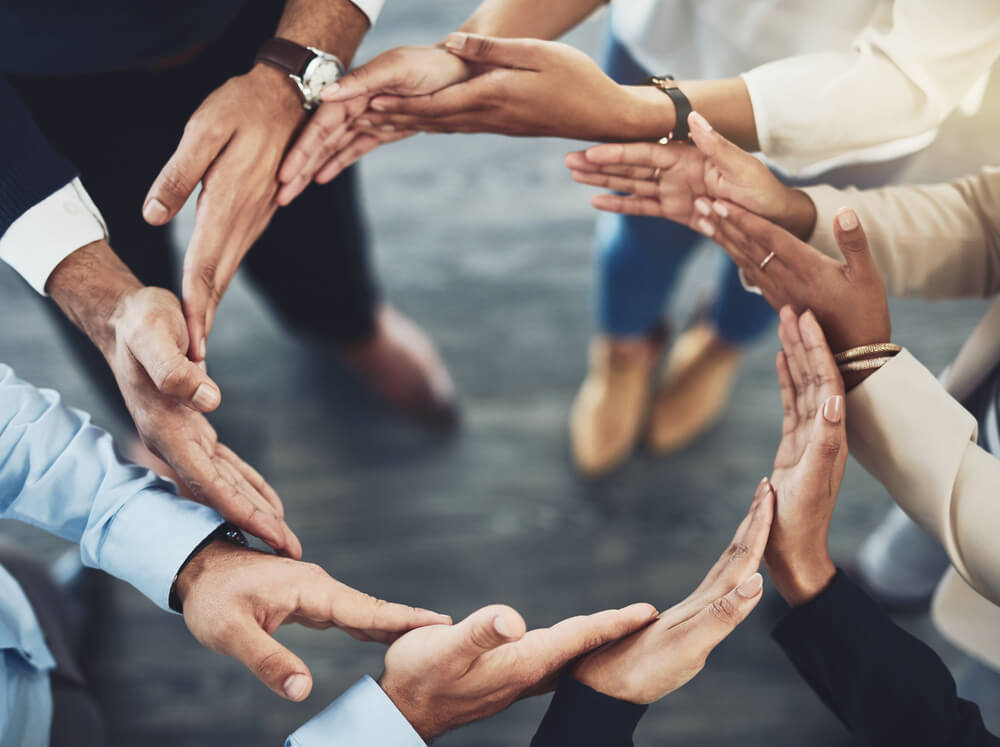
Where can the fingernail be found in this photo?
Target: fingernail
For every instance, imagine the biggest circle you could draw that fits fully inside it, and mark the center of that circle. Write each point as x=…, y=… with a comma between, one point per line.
x=833, y=409
x=365, y=122
x=500, y=626
x=848, y=220
x=206, y=398
x=296, y=686
x=751, y=587
x=702, y=206
x=455, y=41
x=327, y=93
x=721, y=209
x=706, y=227
x=696, y=120
x=203, y=348
x=378, y=106
x=154, y=211
x=387, y=128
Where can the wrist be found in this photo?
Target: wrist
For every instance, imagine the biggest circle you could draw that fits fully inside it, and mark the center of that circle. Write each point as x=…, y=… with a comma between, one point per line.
x=91, y=286
x=202, y=560
x=420, y=717
x=801, y=581
x=798, y=213
x=648, y=114
x=279, y=88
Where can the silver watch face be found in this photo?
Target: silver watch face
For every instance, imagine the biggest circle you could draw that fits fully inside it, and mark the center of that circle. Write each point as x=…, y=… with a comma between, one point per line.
x=322, y=71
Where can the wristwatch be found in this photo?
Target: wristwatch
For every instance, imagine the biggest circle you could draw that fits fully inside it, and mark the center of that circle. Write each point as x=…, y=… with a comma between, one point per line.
x=310, y=69
x=682, y=107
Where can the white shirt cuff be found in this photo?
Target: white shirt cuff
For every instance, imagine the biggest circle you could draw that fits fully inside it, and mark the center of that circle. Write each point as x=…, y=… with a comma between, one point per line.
x=364, y=716
x=50, y=231
x=370, y=8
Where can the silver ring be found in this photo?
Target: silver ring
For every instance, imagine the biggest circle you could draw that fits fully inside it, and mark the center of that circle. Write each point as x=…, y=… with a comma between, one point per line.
x=766, y=261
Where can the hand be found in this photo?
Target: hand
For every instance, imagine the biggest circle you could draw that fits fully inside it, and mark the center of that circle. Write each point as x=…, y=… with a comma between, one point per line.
x=848, y=298
x=233, y=145
x=441, y=678
x=531, y=88
x=142, y=335
x=809, y=465
x=329, y=143
x=659, y=659
x=234, y=599
x=666, y=181
x=152, y=371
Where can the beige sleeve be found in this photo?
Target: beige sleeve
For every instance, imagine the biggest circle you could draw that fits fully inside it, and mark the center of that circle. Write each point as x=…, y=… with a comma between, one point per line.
x=903, y=75
x=916, y=440
x=935, y=241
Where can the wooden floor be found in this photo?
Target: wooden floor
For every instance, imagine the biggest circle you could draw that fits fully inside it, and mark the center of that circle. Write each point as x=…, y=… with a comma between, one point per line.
x=487, y=243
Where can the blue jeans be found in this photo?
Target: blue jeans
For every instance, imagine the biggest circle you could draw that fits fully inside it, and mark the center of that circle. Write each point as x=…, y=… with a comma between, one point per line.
x=639, y=258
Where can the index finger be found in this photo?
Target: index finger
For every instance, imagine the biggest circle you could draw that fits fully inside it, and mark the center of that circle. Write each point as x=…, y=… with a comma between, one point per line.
x=327, y=125
x=329, y=599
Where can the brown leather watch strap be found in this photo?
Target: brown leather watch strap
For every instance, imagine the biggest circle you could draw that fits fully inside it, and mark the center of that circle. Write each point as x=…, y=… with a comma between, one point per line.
x=285, y=55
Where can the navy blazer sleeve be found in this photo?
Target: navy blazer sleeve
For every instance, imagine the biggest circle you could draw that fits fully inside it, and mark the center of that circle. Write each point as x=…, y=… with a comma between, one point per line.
x=29, y=169
x=581, y=717
x=886, y=686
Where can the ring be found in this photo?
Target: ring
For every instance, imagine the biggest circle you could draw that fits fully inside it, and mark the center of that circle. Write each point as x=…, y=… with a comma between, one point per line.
x=656, y=174
x=766, y=261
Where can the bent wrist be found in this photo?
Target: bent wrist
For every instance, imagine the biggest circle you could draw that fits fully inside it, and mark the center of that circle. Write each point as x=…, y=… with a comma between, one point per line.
x=798, y=213
x=800, y=581
x=91, y=286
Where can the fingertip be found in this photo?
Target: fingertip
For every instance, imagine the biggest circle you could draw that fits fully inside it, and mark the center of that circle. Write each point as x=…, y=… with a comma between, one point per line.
x=847, y=219
x=207, y=398
x=154, y=212
x=297, y=686
x=752, y=587
x=509, y=625
x=331, y=92
x=833, y=409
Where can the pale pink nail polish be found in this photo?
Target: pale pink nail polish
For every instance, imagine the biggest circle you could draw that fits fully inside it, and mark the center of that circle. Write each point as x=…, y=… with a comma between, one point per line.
x=702, y=206
x=706, y=227
x=720, y=209
x=847, y=219
x=833, y=409
x=751, y=587
x=697, y=120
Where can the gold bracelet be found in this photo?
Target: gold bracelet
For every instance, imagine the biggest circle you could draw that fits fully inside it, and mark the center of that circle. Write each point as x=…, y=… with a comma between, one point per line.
x=863, y=350
x=866, y=365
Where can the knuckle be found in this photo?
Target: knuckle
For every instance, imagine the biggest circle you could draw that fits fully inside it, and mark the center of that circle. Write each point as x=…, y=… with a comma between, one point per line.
x=738, y=550
x=724, y=610
x=829, y=447
x=484, y=47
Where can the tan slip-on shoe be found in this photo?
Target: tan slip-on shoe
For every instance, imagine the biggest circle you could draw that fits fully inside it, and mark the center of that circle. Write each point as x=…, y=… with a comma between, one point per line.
x=613, y=401
x=697, y=380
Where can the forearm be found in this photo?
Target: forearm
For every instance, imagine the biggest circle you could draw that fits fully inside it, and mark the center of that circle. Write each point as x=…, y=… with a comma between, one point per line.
x=89, y=286
x=335, y=26
x=524, y=19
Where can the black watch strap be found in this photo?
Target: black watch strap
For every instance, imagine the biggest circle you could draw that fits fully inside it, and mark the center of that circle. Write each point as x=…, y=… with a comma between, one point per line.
x=682, y=107
x=226, y=532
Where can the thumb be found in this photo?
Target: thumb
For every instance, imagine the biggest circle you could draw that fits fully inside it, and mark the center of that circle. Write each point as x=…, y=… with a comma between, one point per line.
x=714, y=623
x=383, y=73
x=172, y=372
x=517, y=53
x=486, y=629
x=828, y=433
x=727, y=156
x=197, y=150
x=273, y=664
x=853, y=242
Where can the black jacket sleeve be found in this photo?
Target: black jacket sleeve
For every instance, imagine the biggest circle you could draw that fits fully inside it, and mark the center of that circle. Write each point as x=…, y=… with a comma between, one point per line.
x=29, y=169
x=886, y=686
x=581, y=717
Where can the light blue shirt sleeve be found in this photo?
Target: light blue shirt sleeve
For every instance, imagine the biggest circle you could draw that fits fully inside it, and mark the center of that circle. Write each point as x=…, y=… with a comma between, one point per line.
x=364, y=716
x=62, y=474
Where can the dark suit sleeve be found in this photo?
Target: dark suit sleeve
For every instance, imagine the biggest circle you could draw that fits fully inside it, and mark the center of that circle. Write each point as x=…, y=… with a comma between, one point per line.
x=886, y=686
x=581, y=717
x=29, y=169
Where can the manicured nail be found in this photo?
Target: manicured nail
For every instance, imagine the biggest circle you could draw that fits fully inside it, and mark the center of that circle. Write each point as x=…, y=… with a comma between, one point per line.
x=706, y=227
x=847, y=219
x=154, y=211
x=296, y=686
x=500, y=626
x=721, y=209
x=456, y=41
x=206, y=398
x=751, y=587
x=702, y=206
x=327, y=93
x=365, y=122
x=696, y=120
x=833, y=410
x=388, y=128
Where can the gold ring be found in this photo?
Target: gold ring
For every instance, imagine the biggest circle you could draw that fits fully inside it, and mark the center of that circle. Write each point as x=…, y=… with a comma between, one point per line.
x=766, y=261
x=656, y=174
